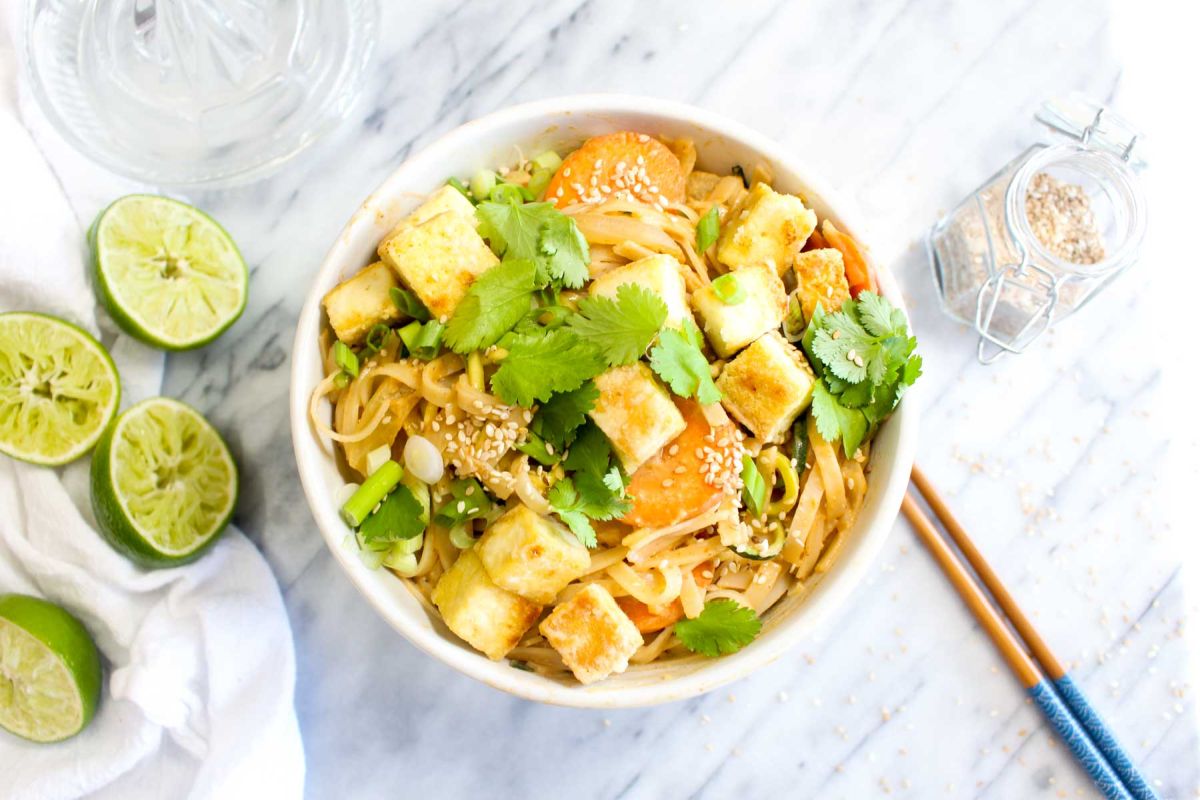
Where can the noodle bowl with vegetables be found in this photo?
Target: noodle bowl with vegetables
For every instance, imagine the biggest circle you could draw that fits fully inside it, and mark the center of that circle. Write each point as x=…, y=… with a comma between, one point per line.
x=600, y=407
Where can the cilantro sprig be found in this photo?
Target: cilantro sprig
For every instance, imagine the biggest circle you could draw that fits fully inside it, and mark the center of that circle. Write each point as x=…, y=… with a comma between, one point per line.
x=541, y=363
x=678, y=360
x=595, y=489
x=723, y=627
x=540, y=233
x=400, y=516
x=496, y=302
x=622, y=328
x=865, y=357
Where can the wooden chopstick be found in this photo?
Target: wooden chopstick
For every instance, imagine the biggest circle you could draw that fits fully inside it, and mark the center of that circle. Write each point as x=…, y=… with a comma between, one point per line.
x=1066, y=687
x=1011, y=648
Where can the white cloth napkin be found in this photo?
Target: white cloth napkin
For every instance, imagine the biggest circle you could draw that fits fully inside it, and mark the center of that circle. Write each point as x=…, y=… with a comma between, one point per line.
x=199, y=664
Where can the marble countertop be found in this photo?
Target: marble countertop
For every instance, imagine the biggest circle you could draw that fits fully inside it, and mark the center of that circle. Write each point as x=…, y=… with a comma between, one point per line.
x=1052, y=459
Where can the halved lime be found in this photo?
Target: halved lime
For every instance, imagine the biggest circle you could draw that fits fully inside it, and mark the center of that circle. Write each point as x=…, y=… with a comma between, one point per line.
x=49, y=670
x=163, y=483
x=58, y=389
x=167, y=272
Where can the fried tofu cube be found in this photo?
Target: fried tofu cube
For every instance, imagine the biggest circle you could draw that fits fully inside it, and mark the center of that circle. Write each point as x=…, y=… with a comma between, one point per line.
x=729, y=328
x=360, y=303
x=437, y=252
x=767, y=386
x=488, y=618
x=592, y=634
x=770, y=229
x=821, y=278
x=531, y=555
x=636, y=414
x=660, y=274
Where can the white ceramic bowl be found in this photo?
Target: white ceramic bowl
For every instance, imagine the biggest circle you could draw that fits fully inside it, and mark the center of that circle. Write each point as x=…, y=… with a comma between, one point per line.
x=563, y=123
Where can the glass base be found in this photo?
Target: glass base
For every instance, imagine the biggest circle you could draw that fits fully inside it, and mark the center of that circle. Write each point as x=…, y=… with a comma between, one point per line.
x=185, y=92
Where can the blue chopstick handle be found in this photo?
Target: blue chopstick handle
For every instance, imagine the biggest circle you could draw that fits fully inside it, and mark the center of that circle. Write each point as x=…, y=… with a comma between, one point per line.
x=1074, y=736
x=1102, y=737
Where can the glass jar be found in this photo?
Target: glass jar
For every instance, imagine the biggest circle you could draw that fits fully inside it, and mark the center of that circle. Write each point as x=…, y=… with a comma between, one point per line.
x=1046, y=233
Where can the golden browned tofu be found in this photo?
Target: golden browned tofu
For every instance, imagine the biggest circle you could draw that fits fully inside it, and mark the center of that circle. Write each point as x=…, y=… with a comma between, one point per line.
x=729, y=328
x=770, y=229
x=360, y=303
x=437, y=253
x=592, y=634
x=530, y=555
x=490, y=619
x=767, y=386
x=636, y=414
x=658, y=273
x=821, y=278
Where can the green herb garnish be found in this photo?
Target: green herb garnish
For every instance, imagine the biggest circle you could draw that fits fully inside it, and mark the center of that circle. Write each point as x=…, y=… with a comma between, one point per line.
x=708, y=229
x=407, y=302
x=496, y=302
x=728, y=289
x=538, y=364
x=678, y=360
x=754, y=488
x=345, y=358
x=376, y=337
x=621, y=328
x=400, y=516
x=723, y=627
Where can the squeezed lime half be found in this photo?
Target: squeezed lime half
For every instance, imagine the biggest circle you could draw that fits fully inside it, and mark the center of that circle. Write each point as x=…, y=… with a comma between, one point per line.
x=49, y=670
x=167, y=272
x=164, y=483
x=59, y=389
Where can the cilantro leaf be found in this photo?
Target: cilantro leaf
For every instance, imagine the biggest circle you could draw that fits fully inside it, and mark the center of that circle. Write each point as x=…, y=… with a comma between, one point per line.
x=400, y=516
x=723, y=627
x=494, y=304
x=835, y=421
x=579, y=500
x=514, y=230
x=467, y=501
x=565, y=251
x=539, y=364
x=560, y=416
x=879, y=316
x=591, y=453
x=678, y=360
x=621, y=328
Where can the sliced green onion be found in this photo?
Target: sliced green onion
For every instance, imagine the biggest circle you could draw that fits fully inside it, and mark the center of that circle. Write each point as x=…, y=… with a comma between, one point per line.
x=548, y=160
x=371, y=493
x=408, y=334
x=341, y=380
x=475, y=370
x=800, y=443
x=428, y=341
x=407, y=302
x=482, y=183
x=793, y=323
x=708, y=229
x=408, y=545
x=536, y=449
x=461, y=538
x=404, y=564
x=457, y=184
x=423, y=460
x=539, y=180
x=728, y=289
x=371, y=559
x=344, y=357
x=376, y=337
x=754, y=488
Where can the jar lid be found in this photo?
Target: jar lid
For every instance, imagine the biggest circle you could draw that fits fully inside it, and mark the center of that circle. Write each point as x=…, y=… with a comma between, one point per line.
x=1095, y=126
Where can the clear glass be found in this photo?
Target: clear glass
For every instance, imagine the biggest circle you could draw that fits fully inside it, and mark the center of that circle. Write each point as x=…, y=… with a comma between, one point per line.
x=993, y=272
x=184, y=92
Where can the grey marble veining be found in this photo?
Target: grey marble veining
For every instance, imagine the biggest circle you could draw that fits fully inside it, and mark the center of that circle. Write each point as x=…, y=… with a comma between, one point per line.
x=1051, y=458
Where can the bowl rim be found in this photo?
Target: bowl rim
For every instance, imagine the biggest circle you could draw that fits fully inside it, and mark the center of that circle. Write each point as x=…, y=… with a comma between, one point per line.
x=817, y=610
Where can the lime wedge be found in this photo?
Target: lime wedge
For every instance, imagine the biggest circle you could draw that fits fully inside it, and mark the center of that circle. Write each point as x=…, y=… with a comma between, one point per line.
x=168, y=273
x=49, y=670
x=163, y=483
x=58, y=389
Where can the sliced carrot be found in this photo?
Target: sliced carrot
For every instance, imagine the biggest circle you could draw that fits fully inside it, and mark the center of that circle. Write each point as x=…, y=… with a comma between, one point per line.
x=625, y=164
x=648, y=621
x=858, y=273
x=670, y=487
